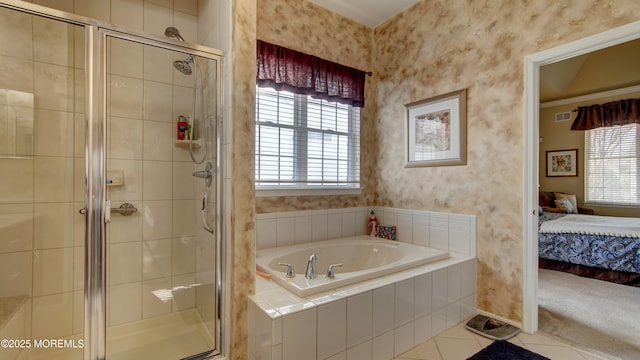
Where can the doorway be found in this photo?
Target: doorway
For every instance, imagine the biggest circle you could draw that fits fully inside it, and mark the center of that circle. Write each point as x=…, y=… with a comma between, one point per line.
x=532, y=104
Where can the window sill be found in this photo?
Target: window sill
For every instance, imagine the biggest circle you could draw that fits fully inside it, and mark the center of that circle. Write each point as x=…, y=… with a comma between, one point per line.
x=306, y=192
x=602, y=204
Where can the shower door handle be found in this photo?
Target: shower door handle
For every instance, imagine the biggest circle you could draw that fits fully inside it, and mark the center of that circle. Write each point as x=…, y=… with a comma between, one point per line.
x=107, y=212
x=125, y=209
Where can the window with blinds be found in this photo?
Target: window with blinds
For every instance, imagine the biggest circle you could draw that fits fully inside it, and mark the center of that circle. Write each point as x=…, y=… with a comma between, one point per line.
x=611, y=165
x=305, y=143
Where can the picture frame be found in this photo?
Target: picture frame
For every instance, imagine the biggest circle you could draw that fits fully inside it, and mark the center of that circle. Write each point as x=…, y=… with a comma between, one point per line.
x=436, y=130
x=562, y=163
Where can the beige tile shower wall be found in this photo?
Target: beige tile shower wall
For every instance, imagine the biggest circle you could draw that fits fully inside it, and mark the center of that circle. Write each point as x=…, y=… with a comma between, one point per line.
x=214, y=24
x=154, y=250
x=48, y=61
x=39, y=193
x=306, y=27
x=440, y=46
x=151, y=16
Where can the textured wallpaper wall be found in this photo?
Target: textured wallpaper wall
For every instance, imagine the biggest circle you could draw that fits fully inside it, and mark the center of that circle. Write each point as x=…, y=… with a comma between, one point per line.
x=311, y=29
x=433, y=48
x=440, y=46
x=240, y=110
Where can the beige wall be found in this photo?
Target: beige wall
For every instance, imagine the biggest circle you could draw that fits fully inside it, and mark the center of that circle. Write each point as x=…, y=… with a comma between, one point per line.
x=559, y=136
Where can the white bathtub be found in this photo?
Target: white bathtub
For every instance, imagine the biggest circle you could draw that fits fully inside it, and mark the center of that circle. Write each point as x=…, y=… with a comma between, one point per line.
x=362, y=257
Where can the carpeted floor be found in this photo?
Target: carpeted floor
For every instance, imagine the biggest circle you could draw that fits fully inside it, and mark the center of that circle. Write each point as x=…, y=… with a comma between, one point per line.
x=588, y=312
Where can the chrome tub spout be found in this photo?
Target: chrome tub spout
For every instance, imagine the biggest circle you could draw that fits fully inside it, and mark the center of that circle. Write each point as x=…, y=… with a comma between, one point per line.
x=311, y=267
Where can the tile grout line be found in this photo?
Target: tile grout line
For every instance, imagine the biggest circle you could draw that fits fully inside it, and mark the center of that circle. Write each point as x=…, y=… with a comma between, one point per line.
x=435, y=342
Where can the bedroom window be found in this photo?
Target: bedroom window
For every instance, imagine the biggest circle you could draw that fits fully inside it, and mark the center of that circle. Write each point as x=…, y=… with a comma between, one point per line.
x=305, y=143
x=611, y=165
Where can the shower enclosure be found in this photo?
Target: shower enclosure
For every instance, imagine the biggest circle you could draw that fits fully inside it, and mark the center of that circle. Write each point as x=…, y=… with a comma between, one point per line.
x=109, y=230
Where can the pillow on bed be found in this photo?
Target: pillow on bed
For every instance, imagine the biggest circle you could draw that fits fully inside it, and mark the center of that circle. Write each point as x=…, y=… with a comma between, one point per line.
x=546, y=198
x=571, y=198
x=565, y=206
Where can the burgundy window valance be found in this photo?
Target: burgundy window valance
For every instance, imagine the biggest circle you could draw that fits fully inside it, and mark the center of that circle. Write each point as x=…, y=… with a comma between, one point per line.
x=300, y=73
x=613, y=113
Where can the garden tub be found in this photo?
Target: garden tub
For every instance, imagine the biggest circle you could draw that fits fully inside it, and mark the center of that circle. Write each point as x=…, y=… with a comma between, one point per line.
x=362, y=257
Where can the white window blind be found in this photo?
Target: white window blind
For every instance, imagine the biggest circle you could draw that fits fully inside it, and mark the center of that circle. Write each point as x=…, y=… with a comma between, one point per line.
x=305, y=143
x=611, y=165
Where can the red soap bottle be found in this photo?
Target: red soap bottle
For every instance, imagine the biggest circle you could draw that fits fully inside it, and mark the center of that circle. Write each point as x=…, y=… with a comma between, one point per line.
x=182, y=127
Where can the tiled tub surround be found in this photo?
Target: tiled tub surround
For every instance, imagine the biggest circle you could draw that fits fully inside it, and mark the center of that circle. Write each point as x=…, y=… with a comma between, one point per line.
x=375, y=319
x=442, y=231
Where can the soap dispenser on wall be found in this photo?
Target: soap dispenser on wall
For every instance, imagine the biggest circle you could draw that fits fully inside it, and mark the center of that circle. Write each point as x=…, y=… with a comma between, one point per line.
x=115, y=177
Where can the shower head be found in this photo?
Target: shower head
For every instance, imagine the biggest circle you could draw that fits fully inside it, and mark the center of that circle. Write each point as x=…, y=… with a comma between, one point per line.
x=183, y=65
x=173, y=33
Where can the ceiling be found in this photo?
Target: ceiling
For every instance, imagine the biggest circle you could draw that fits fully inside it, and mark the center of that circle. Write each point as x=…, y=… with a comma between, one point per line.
x=369, y=12
x=607, y=69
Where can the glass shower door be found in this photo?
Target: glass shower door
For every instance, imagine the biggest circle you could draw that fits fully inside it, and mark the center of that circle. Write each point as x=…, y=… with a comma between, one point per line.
x=42, y=150
x=161, y=261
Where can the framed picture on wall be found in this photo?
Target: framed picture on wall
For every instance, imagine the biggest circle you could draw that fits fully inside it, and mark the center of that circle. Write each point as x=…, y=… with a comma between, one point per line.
x=562, y=163
x=437, y=130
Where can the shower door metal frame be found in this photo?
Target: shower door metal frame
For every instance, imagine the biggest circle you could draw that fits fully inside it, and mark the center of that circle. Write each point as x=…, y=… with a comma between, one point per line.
x=95, y=205
x=95, y=279
x=99, y=265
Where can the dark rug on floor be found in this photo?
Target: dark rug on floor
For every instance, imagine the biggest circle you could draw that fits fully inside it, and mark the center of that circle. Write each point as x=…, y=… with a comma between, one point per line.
x=504, y=350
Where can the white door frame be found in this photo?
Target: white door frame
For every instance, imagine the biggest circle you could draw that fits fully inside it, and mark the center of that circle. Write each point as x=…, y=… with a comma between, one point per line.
x=532, y=66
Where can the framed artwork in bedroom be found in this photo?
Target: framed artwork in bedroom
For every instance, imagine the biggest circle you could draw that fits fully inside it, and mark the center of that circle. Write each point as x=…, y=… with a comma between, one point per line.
x=562, y=163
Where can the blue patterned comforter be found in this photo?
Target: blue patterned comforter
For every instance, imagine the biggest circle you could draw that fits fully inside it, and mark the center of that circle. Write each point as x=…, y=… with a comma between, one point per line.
x=607, y=252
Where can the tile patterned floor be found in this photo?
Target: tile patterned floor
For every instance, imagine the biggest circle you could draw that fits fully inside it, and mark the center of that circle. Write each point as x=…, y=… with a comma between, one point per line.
x=458, y=343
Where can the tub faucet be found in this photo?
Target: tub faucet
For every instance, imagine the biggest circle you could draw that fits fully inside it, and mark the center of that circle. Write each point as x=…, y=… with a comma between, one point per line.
x=311, y=267
x=331, y=271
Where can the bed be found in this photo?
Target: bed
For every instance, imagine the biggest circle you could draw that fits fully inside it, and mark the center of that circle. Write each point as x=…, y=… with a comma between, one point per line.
x=607, y=248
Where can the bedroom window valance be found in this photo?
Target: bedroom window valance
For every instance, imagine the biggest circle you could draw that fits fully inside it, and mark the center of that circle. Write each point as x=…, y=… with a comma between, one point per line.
x=613, y=113
x=303, y=74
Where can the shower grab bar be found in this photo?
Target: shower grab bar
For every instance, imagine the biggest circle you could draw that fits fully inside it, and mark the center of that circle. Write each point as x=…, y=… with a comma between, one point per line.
x=126, y=209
